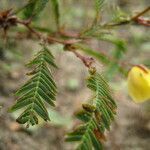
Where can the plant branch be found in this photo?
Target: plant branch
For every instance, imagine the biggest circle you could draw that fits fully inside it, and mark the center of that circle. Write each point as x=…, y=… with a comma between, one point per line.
x=136, y=19
x=143, y=21
x=26, y=23
x=67, y=43
x=141, y=13
x=75, y=37
x=87, y=61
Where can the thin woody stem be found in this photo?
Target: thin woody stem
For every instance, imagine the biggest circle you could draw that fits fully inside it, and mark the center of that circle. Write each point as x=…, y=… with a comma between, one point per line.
x=141, y=13
x=86, y=60
x=26, y=23
x=134, y=19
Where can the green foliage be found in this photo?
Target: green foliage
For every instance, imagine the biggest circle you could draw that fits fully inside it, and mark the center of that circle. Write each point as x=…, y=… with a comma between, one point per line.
x=98, y=6
x=95, y=115
x=55, y=4
x=34, y=7
x=119, y=15
x=38, y=89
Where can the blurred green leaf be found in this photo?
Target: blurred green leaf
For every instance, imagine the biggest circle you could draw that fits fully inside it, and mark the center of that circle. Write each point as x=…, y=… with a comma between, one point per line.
x=98, y=7
x=34, y=7
x=55, y=4
x=118, y=15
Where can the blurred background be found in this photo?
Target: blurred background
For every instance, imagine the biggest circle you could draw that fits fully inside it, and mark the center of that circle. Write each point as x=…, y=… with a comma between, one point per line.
x=130, y=130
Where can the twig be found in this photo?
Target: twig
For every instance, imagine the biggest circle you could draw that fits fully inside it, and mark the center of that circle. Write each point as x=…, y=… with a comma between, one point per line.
x=143, y=21
x=135, y=18
x=49, y=39
x=26, y=23
x=67, y=43
x=69, y=34
x=64, y=42
x=141, y=13
x=87, y=61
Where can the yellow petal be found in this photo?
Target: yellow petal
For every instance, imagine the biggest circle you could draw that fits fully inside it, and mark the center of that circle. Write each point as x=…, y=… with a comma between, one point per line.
x=139, y=83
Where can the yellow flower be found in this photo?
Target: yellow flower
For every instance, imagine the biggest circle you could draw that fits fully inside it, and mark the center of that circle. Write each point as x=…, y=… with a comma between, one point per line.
x=139, y=83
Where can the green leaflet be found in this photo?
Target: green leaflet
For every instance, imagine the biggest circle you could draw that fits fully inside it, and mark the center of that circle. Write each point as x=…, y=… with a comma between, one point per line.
x=40, y=88
x=96, y=116
x=34, y=7
x=98, y=8
x=118, y=15
x=98, y=5
x=55, y=4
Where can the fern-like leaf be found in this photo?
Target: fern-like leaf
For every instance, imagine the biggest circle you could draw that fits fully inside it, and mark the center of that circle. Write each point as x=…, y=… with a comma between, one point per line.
x=96, y=115
x=40, y=88
x=34, y=7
